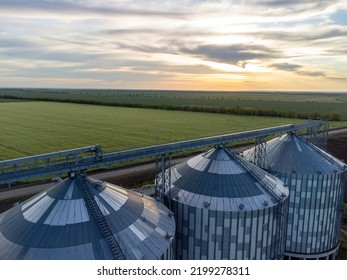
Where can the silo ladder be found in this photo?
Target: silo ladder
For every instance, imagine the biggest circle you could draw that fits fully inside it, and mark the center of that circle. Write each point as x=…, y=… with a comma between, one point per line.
x=104, y=227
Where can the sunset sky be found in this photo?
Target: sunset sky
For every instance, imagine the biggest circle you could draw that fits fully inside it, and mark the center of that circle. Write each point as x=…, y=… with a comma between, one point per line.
x=181, y=44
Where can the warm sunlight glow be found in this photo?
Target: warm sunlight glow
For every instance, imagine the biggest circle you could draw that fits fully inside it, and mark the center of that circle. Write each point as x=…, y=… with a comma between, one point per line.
x=184, y=44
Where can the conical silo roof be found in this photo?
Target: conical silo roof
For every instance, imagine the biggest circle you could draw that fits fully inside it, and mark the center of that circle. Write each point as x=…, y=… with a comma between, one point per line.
x=292, y=153
x=59, y=224
x=220, y=180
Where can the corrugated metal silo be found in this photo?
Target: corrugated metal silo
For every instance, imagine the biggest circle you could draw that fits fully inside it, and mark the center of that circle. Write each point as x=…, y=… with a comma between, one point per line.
x=316, y=183
x=60, y=224
x=226, y=208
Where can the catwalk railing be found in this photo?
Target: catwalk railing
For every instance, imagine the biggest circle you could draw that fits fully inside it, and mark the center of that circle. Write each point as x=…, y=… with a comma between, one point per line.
x=92, y=157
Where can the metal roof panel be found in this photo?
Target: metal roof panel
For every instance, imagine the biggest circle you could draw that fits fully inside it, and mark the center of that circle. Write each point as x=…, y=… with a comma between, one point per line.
x=291, y=153
x=53, y=227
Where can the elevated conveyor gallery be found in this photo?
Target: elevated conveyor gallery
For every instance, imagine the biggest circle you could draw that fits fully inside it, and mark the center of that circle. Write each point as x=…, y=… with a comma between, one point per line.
x=92, y=157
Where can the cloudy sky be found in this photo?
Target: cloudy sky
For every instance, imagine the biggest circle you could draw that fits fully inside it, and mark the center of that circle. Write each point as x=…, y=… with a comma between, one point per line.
x=180, y=44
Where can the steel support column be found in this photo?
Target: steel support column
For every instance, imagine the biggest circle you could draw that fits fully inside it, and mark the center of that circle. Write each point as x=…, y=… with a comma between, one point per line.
x=260, y=152
x=163, y=177
x=318, y=135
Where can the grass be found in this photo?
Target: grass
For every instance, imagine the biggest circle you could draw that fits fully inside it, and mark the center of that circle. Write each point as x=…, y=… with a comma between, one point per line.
x=29, y=128
x=294, y=102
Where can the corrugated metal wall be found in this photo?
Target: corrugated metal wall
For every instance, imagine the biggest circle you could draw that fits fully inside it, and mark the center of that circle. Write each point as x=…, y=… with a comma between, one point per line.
x=314, y=215
x=210, y=234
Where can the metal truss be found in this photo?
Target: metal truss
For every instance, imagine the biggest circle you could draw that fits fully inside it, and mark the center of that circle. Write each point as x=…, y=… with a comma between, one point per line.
x=318, y=136
x=163, y=178
x=260, y=152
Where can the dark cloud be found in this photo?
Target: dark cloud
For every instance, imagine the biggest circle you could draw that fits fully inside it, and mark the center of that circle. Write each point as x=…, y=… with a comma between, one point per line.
x=279, y=7
x=68, y=7
x=339, y=79
x=130, y=31
x=326, y=34
x=237, y=54
x=300, y=36
x=286, y=66
x=197, y=69
x=50, y=48
x=160, y=32
x=143, y=48
x=336, y=50
x=312, y=73
x=168, y=41
x=10, y=43
x=296, y=68
x=291, y=3
x=77, y=42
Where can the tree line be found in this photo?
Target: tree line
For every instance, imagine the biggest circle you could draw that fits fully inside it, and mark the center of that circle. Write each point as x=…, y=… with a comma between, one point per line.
x=237, y=110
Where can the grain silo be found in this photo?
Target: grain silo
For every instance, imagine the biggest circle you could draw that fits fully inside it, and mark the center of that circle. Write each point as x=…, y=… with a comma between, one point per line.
x=316, y=183
x=226, y=208
x=79, y=218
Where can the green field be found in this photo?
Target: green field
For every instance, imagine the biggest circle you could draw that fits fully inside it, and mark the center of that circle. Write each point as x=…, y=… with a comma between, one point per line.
x=29, y=128
x=293, y=104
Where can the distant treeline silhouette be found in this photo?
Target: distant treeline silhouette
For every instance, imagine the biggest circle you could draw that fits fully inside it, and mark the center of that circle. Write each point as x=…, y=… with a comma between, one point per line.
x=237, y=110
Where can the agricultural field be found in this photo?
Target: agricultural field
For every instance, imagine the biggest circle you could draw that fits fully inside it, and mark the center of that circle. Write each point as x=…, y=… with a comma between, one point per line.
x=29, y=128
x=284, y=104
